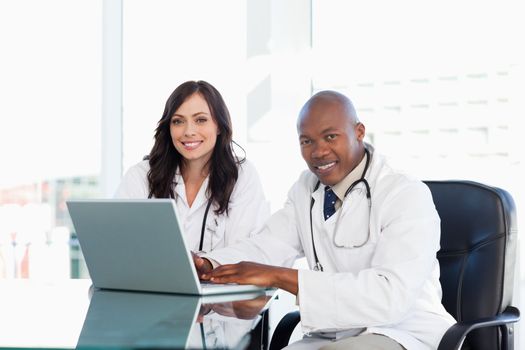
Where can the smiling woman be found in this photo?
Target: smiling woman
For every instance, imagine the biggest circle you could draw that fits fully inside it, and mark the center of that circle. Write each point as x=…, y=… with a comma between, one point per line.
x=194, y=115
x=194, y=134
x=193, y=161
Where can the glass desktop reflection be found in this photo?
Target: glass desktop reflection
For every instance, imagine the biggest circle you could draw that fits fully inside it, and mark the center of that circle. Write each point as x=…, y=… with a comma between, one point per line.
x=147, y=320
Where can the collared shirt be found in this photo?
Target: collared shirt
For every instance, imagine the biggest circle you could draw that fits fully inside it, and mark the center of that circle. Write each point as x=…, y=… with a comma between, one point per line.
x=343, y=185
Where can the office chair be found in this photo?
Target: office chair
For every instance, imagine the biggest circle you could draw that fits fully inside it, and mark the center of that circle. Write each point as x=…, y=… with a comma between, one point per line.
x=477, y=257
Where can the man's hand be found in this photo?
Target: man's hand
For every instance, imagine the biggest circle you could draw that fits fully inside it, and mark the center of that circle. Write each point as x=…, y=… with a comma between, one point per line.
x=253, y=273
x=202, y=265
x=243, y=309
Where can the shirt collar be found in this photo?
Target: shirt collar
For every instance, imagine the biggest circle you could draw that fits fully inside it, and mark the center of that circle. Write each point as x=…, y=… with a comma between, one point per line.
x=341, y=187
x=179, y=188
x=180, y=191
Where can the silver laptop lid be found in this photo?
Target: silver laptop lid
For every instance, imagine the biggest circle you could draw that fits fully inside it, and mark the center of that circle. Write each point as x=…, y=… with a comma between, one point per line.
x=134, y=245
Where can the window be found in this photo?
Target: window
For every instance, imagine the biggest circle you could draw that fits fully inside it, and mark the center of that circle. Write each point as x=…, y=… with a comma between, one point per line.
x=49, y=131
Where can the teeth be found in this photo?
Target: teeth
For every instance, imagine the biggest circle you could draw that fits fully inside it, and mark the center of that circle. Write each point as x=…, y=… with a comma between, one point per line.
x=190, y=144
x=326, y=166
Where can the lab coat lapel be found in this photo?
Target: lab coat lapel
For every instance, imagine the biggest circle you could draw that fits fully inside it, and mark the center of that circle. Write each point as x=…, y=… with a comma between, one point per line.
x=322, y=230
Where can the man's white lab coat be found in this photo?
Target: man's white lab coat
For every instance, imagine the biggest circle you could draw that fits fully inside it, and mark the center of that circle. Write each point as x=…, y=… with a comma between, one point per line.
x=389, y=285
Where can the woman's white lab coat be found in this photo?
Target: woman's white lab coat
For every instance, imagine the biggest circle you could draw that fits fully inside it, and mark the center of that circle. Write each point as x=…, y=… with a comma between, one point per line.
x=247, y=212
x=380, y=274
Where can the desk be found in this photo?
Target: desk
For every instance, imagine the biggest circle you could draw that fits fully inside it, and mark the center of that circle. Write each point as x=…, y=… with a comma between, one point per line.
x=70, y=314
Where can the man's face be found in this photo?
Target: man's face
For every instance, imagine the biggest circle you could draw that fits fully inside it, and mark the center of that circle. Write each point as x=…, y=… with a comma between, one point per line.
x=330, y=143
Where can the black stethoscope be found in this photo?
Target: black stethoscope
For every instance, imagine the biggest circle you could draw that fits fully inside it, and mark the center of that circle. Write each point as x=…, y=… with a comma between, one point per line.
x=204, y=219
x=204, y=224
x=318, y=266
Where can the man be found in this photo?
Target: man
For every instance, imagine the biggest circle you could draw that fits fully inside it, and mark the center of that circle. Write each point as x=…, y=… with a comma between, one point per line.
x=369, y=233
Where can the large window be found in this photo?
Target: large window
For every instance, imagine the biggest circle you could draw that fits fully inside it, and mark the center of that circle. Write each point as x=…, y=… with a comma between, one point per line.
x=169, y=42
x=435, y=83
x=50, y=70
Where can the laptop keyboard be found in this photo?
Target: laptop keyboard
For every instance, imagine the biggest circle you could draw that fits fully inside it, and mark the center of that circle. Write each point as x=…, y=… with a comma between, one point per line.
x=208, y=284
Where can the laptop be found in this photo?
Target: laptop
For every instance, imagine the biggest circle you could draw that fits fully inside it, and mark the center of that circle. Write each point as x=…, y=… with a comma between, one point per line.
x=138, y=244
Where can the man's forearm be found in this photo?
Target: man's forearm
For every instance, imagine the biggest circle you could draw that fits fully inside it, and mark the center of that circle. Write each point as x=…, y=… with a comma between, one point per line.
x=287, y=279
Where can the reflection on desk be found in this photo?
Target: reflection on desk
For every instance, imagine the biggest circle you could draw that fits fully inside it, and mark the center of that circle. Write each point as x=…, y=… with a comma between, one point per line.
x=145, y=320
x=59, y=316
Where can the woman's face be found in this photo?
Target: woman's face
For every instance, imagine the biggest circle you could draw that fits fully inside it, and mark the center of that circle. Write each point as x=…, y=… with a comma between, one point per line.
x=194, y=131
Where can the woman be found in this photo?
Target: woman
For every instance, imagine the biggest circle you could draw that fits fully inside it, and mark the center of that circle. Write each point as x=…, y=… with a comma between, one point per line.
x=219, y=197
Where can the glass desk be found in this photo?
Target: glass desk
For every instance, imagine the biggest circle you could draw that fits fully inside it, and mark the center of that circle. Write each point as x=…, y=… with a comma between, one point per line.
x=71, y=314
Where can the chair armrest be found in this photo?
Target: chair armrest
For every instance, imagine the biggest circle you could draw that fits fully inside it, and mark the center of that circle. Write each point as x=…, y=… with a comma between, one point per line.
x=453, y=338
x=455, y=335
x=283, y=331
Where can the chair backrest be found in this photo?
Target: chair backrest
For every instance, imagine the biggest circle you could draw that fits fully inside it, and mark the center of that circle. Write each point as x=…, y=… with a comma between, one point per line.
x=477, y=256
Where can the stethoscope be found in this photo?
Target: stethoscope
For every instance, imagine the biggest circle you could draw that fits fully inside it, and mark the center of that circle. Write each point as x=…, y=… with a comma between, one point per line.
x=318, y=266
x=204, y=219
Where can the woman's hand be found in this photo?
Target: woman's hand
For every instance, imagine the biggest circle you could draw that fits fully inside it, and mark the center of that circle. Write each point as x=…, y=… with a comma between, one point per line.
x=202, y=265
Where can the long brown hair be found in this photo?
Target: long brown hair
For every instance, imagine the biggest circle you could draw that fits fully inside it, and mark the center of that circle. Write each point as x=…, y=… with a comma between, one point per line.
x=164, y=159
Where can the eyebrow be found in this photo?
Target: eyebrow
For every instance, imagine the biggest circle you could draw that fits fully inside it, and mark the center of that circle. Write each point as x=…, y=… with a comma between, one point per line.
x=324, y=131
x=193, y=115
x=327, y=130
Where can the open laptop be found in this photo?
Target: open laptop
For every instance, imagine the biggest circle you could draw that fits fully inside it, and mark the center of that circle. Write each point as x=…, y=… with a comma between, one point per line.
x=137, y=244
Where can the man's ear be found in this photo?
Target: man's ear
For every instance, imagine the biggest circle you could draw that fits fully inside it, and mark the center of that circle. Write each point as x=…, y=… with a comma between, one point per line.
x=360, y=131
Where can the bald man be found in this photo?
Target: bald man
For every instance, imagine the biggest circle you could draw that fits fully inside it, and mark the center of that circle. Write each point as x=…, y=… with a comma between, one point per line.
x=370, y=236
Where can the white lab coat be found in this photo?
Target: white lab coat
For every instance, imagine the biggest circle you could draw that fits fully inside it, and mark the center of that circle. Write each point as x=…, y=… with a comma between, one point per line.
x=390, y=285
x=247, y=212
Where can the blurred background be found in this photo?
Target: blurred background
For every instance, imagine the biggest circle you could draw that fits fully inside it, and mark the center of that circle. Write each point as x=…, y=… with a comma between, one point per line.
x=84, y=82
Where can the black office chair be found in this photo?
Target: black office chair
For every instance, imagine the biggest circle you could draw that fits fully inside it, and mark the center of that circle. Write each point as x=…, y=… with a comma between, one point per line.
x=477, y=257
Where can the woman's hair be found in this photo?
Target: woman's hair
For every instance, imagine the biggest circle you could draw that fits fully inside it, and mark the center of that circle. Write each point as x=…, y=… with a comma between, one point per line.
x=164, y=159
